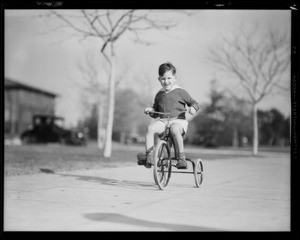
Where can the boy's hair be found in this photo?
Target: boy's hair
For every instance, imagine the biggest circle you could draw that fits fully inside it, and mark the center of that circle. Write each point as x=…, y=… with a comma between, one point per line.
x=166, y=67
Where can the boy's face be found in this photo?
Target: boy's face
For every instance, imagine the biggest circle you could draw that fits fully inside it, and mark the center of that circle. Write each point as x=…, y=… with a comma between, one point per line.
x=167, y=80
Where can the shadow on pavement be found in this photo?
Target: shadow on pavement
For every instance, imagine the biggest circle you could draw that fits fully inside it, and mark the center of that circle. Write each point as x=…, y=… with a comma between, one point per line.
x=113, y=182
x=119, y=218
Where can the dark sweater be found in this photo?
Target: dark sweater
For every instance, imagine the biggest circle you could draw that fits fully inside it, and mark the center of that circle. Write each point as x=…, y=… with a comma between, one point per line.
x=173, y=102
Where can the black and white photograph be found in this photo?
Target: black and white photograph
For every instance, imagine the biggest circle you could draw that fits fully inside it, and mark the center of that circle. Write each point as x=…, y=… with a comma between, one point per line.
x=148, y=119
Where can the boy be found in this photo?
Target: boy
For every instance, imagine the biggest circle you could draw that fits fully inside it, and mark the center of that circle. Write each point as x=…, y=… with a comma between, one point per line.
x=170, y=99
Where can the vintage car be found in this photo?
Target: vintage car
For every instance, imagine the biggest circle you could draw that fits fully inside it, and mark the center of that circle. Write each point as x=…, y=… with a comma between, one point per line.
x=49, y=129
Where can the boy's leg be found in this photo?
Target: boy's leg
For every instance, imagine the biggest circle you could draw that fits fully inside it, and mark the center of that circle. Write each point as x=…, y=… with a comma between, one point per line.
x=177, y=131
x=154, y=128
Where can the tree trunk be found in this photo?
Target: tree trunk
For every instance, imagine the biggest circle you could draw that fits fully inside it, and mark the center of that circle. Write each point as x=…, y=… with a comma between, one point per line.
x=235, y=138
x=111, y=107
x=255, y=130
x=101, y=132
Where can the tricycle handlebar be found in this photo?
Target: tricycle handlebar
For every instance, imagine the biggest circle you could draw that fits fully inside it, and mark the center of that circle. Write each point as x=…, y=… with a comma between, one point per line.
x=162, y=113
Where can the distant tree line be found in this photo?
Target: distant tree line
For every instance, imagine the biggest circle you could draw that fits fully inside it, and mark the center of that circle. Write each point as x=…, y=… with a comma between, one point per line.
x=274, y=128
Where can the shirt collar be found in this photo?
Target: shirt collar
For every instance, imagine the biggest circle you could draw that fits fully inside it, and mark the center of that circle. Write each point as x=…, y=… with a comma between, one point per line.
x=173, y=88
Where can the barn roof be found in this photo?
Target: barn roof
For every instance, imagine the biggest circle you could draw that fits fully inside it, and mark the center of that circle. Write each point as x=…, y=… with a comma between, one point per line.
x=12, y=84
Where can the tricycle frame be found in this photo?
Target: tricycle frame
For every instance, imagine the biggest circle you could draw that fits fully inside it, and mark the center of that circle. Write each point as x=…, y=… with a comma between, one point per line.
x=163, y=162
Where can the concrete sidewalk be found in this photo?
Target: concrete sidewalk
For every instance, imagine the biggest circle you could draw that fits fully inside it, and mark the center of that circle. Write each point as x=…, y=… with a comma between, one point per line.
x=242, y=194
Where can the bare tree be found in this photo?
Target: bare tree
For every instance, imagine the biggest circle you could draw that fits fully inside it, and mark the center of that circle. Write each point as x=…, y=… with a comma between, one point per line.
x=108, y=26
x=92, y=83
x=259, y=63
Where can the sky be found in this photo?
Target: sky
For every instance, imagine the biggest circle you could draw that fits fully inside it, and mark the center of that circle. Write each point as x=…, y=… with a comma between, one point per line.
x=48, y=60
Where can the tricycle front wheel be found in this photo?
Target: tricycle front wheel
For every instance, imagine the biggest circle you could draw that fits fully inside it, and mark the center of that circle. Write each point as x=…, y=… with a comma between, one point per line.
x=162, y=165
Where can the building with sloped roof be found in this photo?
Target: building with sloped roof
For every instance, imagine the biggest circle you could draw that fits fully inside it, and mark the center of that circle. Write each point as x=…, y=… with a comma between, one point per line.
x=21, y=103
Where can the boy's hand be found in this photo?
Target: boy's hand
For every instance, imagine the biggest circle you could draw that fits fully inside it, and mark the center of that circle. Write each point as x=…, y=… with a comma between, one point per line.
x=148, y=109
x=192, y=110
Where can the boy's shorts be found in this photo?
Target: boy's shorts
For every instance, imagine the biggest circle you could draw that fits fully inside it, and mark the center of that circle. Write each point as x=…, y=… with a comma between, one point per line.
x=183, y=122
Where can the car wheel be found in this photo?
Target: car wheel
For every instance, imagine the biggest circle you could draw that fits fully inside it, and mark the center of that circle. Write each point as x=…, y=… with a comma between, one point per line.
x=28, y=139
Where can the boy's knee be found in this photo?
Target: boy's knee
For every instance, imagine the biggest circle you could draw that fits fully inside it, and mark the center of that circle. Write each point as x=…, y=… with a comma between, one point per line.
x=176, y=129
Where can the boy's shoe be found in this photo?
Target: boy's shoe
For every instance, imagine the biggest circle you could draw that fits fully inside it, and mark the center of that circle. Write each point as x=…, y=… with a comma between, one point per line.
x=145, y=159
x=142, y=158
x=182, y=164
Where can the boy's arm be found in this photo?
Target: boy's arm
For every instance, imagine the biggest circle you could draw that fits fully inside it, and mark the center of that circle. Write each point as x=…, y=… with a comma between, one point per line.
x=154, y=108
x=192, y=103
x=154, y=115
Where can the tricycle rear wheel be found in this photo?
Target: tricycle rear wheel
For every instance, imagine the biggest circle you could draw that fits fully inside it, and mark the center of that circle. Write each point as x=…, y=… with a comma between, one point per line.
x=198, y=172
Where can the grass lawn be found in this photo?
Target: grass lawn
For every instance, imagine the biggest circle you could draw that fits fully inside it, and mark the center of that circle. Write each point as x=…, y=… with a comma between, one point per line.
x=24, y=160
x=31, y=159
